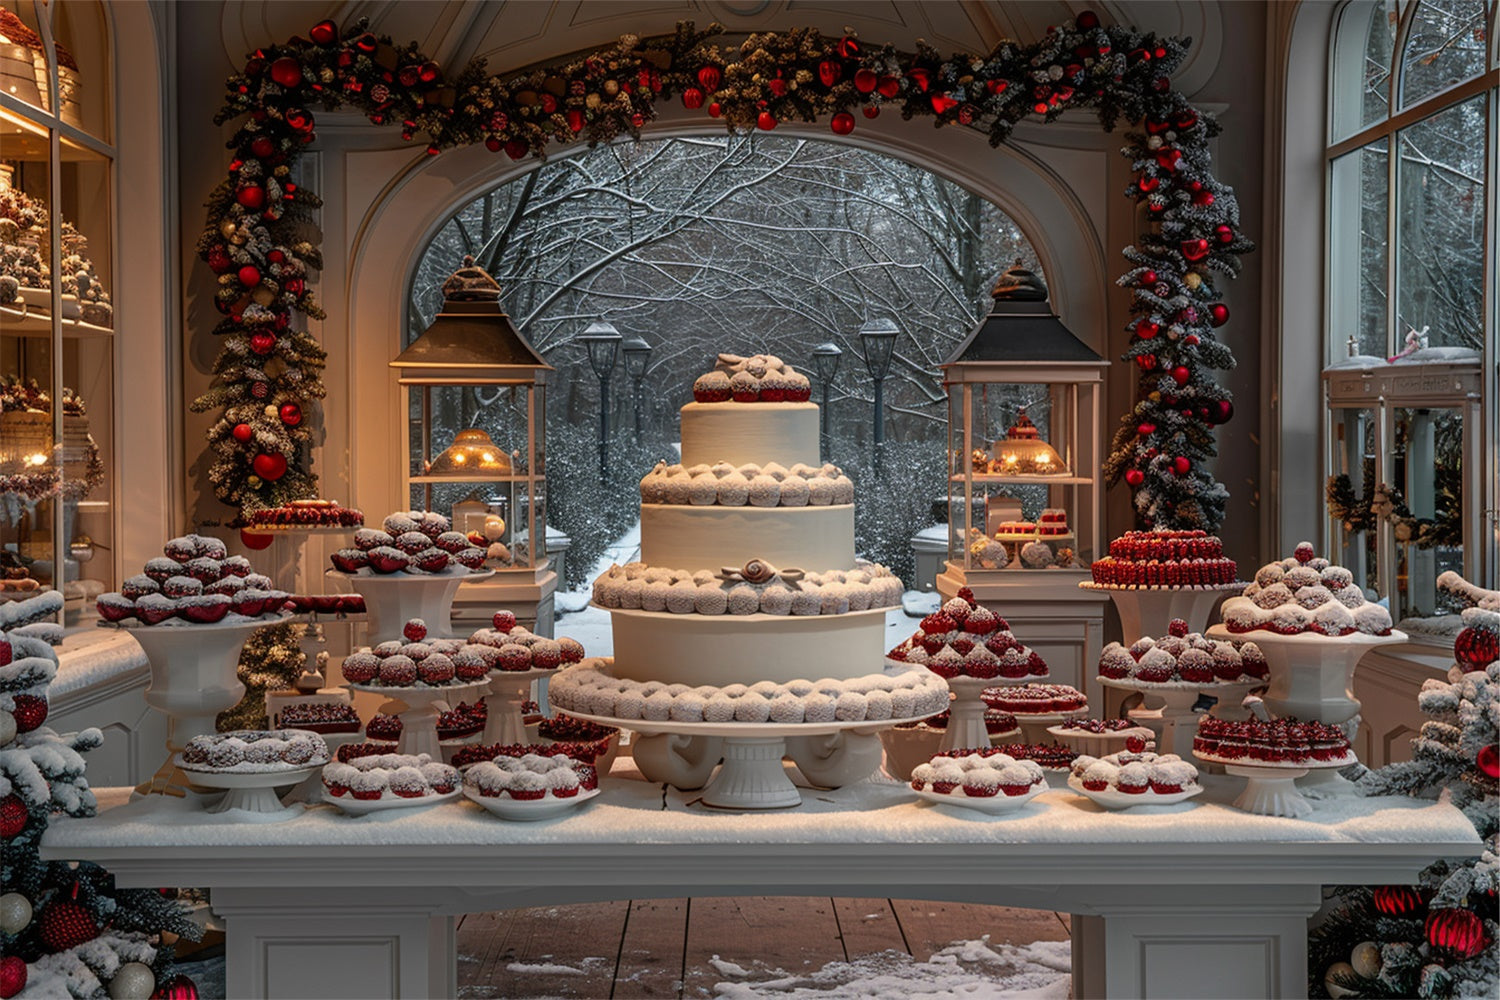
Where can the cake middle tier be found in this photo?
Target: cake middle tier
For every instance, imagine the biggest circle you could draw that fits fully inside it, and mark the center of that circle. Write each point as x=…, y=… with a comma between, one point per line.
x=808, y=538
x=741, y=433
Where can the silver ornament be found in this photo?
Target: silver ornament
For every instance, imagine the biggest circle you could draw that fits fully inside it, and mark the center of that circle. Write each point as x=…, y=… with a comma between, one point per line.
x=134, y=981
x=15, y=913
x=1365, y=958
x=1340, y=970
x=7, y=727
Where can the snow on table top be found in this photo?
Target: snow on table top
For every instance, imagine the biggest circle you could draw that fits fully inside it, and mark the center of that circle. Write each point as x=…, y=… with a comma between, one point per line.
x=93, y=656
x=631, y=811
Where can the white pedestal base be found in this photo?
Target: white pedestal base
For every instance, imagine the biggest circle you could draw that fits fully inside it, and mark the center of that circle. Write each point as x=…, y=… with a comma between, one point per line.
x=752, y=776
x=966, y=729
x=394, y=599
x=503, y=721
x=1312, y=676
x=1270, y=791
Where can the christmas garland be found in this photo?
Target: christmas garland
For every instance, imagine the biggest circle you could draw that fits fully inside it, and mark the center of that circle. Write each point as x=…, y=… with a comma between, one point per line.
x=1386, y=503
x=269, y=371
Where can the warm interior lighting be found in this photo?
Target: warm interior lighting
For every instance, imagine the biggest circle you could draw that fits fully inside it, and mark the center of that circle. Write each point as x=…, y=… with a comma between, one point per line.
x=471, y=453
x=1024, y=453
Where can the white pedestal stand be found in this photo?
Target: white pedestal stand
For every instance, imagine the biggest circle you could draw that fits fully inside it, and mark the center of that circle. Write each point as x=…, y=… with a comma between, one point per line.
x=254, y=791
x=1312, y=679
x=503, y=719
x=1177, y=721
x=419, y=718
x=193, y=679
x=1149, y=610
x=966, y=730
x=1270, y=791
x=393, y=599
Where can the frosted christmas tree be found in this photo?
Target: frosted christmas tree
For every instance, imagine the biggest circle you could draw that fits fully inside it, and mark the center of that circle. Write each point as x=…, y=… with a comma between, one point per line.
x=1436, y=939
x=65, y=931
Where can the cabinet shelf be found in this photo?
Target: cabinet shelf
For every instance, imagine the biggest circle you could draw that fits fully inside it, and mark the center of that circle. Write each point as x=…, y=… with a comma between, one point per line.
x=30, y=323
x=1000, y=480
x=476, y=479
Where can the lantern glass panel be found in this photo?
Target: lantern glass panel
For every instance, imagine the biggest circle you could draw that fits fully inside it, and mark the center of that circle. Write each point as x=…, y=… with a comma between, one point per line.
x=1354, y=445
x=1427, y=467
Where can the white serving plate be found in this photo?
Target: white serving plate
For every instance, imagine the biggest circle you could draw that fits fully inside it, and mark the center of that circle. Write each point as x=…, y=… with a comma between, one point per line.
x=360, y=807
x=530, y=810
x=1111, y=799
x=997, y=803
x=1098, y=744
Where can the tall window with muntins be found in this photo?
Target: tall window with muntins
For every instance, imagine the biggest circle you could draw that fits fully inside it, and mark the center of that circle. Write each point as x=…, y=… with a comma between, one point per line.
x=57, y=512
x=743, y=244
x=1411, y=296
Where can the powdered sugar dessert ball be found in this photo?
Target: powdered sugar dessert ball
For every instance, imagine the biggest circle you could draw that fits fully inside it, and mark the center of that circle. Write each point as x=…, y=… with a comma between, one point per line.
x=843, y=489
x=820, y=492
x=765, y=491
x=678, y=489
x=795, y=492
x=743, y=599
x=807, y=600
x=710, y=599
x=1036, y=555
x=703, y=490
x=733, y=490
x=776, y=599
x=712, y=387
x=436, y=669
x=654, y=596
x=719, y=708
x=682, y=598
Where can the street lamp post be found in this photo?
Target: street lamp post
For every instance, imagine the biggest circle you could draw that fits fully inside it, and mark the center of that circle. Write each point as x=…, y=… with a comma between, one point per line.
x=877, y=339
x=826, y=364
x=637, y=359
x=602, y=341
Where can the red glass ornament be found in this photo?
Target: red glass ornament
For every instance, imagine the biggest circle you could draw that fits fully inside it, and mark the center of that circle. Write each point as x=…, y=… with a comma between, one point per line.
x=1457, y=931
x=66, y=924
x=1398, y=900
x=575, y=119
x=1146, y=428
x=709, y=77
x=829, y=72
x=256, y=540
x=1134, y=477
x=242, y=433
x=1181, y=465
x=1476, y=648
x=1148, y=278
x=1195, y=250
x=1218, y=314
x=865, y=80
x=1225, y=234
x=872, y=110
x=428, y=72
x=262, y=148
x=252, y=197
x=286, y=72
x=1203, y=199
x=1191, y=340
x=493, y=144
x=178, y=987
x=889, y=86
x=765, y=120
x=842, y=123
x=262, y=343
x=1145, y=329
x=1180, y=375
x=324, y=33
x=919, y=76
x=715, y=109
x=692, y=98
x=291, y=414
x=1488, y=761
x=269, y=467
x=12, y=975
x=249, y=275
x=1040, y=107
x=1222, y=411
x=848, y=46
x=517, y=148
x=13, y=816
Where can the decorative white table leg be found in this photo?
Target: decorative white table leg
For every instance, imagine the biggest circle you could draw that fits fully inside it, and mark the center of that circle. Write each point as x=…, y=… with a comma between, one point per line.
x=680, y=761
x=837, y=759
x=419, y=730
x=752, y=776
x=1270, y=791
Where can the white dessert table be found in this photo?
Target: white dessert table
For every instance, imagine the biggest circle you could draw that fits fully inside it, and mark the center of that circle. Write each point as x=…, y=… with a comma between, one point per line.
x=1194, y=899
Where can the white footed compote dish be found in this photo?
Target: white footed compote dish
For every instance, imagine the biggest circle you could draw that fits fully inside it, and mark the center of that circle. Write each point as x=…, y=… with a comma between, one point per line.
x=987, y=780
x=389, y=803
x=1177, y=719
x=193, y=678
x=508, y=691
x=392, y=599
x=1148, y=610
x=252, y=792
x=423, y=704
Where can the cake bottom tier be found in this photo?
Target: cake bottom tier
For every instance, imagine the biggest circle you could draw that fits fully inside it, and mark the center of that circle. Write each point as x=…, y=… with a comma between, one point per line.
x=720, y=650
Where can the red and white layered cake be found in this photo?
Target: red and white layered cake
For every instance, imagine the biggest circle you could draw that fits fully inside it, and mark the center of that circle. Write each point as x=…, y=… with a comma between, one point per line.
x=1052, y=522
x=1035, y=699
x=1183, y=657
x=965, y=639
x=1165, y=559
x=307, y=514
x=1305, y=595
x=1282, y=741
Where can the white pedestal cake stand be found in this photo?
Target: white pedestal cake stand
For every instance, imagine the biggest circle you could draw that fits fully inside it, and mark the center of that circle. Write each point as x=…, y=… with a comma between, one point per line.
x=393, y=599
x=503, y=721
x=193, y=679
x=252, y=791
x=419, y=718
x=1149, y=610
x=966, y=729
x=1312, y=679
x=829, y=754
x=1179, y=723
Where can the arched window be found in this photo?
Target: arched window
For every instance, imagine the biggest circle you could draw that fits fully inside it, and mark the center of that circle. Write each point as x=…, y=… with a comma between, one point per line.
x=1411, y=289
x=747, y=244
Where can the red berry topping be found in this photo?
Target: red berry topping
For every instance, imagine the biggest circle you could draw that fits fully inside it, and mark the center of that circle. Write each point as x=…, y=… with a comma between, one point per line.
x=415, y=630
x=966, y=593
x=1304, y=552
x=937, y=623
x=504, y=621
x=1135, y=744
x=1178, y=627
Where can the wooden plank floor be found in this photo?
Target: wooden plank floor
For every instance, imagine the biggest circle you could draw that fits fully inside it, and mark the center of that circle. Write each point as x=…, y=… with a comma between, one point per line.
x=682, y=947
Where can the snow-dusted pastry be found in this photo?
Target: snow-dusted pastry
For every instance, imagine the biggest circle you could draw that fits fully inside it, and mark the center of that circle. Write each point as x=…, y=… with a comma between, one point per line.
x=320, y=717
x=196, y=582
x=307, y=514
x=413, y=541
x=418, y=660
x=980, y=774
x=1135, y=771
x=1281, y=741
x=527, y=777
x=1305, y=594
x=389, y=776
x=1165, y=559
x=248, y=751
x=1183, y=657
x=1035, y=699
x=967, y=639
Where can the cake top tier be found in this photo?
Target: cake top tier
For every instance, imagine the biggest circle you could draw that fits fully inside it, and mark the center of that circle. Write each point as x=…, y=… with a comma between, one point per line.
x=760, y=378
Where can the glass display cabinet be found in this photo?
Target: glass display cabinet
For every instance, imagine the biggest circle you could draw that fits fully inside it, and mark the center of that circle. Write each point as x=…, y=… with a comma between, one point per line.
x=1407, y=457
x=1025, y=434
x=475, y=392
x=58, y=521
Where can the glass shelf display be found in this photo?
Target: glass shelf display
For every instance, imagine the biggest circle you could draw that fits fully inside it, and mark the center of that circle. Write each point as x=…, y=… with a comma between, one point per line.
x=1024, y=435
x=1406, y=454
x=476, y=403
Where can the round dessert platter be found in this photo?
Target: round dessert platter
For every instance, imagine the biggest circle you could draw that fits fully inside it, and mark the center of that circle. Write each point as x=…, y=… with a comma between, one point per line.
x=1271, y=788
x=508, y=690
x=1113, y=799
x=423, y=703
x=529, y=810
x=193, y=678
x=388, y=803
x=828, y=754
x=1177, y=719
x=1147, y=610
x=392, y=599
x=993, y=804
x=251, y=792
x=1034, y=724
x=1098, y=744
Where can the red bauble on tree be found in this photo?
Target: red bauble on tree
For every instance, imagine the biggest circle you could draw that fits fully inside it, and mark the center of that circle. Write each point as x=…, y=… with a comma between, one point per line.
x=218, y=260
x=176, y=988
x=252, y=196
x=291, y=414
x=1181, y=464
x=1218, y=314
x=262, y=343
x=13, y=816
x=1456, y=931
x=66, y=924
x=12, y=976
x=30, y=711
x=1195, y=250
x=256, y=540
x=1476, y=648
x=324, y=33
x=269, y=467
x=692, y=98
x=262, y=148
x=1488, y=761
x=842, y=123
x=1134, y=477
x=1180, y=375
x=1398, y=900
x=709, y=77
x=516, y=148
x=242, y=433
x=765, y=121
x=493, y=144
x=286, y=72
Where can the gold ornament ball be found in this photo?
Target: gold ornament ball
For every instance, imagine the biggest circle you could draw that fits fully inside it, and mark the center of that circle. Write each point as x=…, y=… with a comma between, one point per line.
x=271, y=411
x=227, y=228
x=611, y=87
x=1365, y=959
x=15, y=911
x=1337, y=969
x=1192, y=279
x=133, y=981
